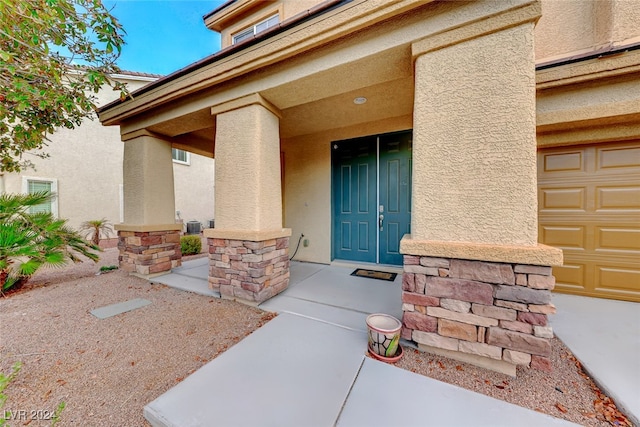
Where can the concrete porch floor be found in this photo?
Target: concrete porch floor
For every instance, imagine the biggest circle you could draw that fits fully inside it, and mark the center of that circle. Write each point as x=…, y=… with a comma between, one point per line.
x=288, y=373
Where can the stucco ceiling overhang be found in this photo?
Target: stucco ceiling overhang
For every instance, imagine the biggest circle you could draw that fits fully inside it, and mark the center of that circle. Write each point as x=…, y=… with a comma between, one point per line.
x=300, y=38
x=311, y=72
x=320, y=99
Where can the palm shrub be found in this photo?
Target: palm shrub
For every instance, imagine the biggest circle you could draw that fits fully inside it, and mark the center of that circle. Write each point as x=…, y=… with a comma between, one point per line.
x=95, y=228
x=31, y=240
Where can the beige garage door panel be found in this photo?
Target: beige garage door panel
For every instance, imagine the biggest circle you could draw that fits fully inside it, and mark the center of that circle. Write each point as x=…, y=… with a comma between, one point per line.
x=616, y=239
x=589, y=206
x=571, y=277
x=617, y=278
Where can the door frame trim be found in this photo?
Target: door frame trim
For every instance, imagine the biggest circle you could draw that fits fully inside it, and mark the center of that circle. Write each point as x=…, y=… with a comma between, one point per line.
x=332, y=231
x=377, y=199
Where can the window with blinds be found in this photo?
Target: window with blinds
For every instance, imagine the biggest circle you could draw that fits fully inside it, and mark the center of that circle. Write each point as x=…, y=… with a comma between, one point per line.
x=180, y=156
x=39, y=187
x=255, y=29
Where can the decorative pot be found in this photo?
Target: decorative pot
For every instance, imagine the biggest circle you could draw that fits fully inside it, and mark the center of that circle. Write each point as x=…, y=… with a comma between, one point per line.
x=392, y=359
x=384, y=334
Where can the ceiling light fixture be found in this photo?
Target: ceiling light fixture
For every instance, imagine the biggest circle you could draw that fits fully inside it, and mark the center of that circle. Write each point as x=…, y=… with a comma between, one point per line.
x=359, y=100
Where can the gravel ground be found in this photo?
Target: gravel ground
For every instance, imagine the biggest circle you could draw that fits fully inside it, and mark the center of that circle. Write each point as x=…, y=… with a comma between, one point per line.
x=107, y=370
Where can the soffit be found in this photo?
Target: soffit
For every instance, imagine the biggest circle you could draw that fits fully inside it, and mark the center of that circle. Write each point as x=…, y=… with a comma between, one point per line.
x=388, y=65
x=180, y=125
x=389, y=99
x=307, y=36
x=322, y=102
x=198, y=142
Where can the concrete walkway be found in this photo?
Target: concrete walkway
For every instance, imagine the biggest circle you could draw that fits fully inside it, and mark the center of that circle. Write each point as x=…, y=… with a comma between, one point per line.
x=308, y=366
x=192, y=276
x=605, y=337
x=296, y=372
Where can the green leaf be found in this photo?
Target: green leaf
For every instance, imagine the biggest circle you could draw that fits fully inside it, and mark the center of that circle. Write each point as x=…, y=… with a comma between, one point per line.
x=35, y=92
x=29, y=241
x=393, y=346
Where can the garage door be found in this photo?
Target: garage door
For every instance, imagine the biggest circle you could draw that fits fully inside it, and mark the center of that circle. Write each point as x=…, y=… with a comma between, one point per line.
x=589, y=206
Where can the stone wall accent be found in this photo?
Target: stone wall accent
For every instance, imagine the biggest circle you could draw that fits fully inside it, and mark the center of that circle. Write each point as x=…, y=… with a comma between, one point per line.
x=479, y=310
x=249, y=271
x=149, y=252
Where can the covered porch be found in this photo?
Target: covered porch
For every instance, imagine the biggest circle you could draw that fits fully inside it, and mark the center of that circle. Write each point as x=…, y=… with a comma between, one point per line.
x=457, y=77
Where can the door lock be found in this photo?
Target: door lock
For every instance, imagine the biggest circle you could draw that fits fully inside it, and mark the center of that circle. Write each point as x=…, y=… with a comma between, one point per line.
x=380, y=219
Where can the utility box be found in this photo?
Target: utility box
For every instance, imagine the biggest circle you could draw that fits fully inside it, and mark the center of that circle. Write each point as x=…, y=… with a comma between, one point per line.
x=193, y=227
x=212, y=224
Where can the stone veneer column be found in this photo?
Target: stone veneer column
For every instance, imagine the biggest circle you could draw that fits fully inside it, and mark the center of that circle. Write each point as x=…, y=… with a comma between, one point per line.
x=251, y=271
x=476, y=283
x=149, y=239
x=148, y=253
x=491, y=314
x=248, y=249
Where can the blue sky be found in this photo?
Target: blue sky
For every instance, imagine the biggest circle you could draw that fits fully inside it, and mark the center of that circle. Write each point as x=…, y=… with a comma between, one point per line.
x=164, y=35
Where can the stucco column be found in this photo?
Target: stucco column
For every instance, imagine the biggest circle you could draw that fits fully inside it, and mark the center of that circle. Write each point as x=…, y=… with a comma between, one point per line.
x=474, y=273
x=248, y=248
x=149, y=239
x=247, y=152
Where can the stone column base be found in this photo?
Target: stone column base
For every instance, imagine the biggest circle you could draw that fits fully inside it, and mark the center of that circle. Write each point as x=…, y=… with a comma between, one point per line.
x=489, y=314
x=248, y=271
x=149, y=253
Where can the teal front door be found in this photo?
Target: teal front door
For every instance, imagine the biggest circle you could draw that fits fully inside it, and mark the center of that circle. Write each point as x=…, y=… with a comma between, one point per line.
x=371, y=180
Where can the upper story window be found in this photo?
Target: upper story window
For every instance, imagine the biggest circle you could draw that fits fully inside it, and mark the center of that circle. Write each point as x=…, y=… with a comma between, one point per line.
x=260, y=26
x=180, y=156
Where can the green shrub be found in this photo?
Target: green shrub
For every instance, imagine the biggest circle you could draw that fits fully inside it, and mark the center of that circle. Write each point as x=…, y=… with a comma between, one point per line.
x=190, y=245
x=95, y=228
x=108, y=267
x=30, y=240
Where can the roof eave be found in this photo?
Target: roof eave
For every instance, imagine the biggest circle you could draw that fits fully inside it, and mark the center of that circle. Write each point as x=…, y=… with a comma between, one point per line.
x=298, y=19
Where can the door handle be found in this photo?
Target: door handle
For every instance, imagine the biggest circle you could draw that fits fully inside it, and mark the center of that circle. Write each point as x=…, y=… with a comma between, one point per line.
x=380, y=219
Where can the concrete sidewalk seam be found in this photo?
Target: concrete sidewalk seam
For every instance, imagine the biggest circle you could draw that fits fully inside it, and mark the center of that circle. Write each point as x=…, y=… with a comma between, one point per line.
x=319, y=320
x=335, y=423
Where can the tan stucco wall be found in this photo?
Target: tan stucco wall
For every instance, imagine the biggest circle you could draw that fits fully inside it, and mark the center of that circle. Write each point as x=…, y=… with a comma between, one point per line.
x=474, y=152
x=626, y=20
x=488, y=94
x=248, y=195
x=576, y=26
x=148, y=182
x=307, y=187
x=194, y=189
x=565, y=26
